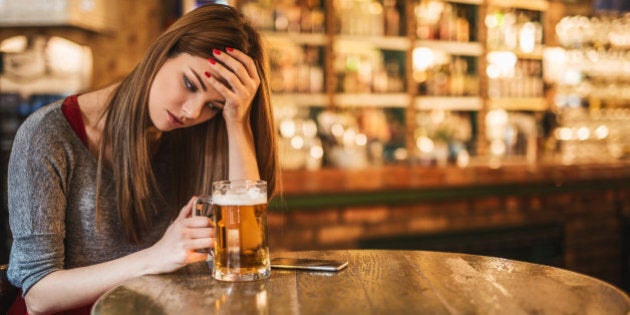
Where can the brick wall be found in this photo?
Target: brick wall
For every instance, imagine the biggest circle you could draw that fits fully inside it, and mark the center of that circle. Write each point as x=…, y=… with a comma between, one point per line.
x=591, y=220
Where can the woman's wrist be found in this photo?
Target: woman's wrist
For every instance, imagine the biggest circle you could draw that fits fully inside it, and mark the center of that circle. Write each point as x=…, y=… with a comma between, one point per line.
x=143, y=263
x=238, y=128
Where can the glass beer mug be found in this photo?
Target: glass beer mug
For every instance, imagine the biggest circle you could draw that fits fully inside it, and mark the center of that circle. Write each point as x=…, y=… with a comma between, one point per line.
x=238, y=209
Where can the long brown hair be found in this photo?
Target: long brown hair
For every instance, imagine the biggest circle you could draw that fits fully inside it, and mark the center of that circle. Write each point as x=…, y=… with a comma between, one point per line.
x=202, y=152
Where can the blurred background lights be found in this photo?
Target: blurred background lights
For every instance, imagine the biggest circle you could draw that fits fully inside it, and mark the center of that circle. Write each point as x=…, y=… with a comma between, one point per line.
x=317, y=152
x=360, y=139
x=309, y=129
x=287, y=128
x=423, y=58
x=337, y=130
x=583, y=133
x=501, y=64
x=297, y=142
x=601, y=132
x=425, y=144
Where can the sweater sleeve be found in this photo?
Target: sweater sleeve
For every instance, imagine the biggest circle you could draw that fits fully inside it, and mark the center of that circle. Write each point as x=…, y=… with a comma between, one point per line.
x=37, y=203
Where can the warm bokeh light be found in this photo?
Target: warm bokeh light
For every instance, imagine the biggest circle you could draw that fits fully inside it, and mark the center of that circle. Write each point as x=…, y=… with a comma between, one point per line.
x=297, y=142
x=287, y=128
x=502, y=62
x=309, y=129
x=601, y=132
x=564, y=133
x=423, y=58
x=497, y=147
x=337, y=130
x=317, y=152
x=348, y=137
x=425, y=144
x=360, y=139
x=583, y=133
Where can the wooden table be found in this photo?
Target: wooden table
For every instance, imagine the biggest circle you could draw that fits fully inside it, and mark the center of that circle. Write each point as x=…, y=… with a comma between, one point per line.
x=375, y=282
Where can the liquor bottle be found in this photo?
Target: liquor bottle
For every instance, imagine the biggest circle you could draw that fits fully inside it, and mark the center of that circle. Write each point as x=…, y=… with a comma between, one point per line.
x=463, y=27
x=392, y=18
x=313, y=17
x=458, y=76
x=374, y=10
x=294, y=16
x=509, y=31
x=445, y=24
x=426, y=22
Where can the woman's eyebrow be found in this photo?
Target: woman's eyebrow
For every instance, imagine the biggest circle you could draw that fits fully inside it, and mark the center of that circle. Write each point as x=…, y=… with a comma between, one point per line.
x=203, y=86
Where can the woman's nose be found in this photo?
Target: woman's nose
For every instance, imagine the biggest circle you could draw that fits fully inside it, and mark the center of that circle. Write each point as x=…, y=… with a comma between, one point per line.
x=192, y=110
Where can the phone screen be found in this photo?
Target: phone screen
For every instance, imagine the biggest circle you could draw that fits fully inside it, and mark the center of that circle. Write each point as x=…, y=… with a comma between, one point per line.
x=308, y=264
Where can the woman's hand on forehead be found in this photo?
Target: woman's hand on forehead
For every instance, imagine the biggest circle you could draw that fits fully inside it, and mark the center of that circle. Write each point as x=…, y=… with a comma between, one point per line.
x=235, y=76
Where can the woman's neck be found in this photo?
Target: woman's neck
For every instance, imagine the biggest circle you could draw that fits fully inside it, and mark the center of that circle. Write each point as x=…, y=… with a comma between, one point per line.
x=93, y=106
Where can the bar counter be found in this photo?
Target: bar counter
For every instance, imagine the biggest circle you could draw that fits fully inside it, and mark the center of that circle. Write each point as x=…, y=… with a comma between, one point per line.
x=570, y=216
x=390, y=183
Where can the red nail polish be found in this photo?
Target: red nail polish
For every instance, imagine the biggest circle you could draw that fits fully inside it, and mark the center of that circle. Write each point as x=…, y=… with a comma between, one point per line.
x=212, y=61
x=207, y=74
x=216, y=51
x=229, y=49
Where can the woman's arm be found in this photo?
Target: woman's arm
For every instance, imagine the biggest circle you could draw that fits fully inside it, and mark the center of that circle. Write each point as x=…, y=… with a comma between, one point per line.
x=73, y=288
x=40, y=176
x=243, y=79
x=243, y=164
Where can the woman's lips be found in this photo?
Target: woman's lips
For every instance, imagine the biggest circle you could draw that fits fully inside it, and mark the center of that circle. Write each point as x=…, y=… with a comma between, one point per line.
x=173, y=120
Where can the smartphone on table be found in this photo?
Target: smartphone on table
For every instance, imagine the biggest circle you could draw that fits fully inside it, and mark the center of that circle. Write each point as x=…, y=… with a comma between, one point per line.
x=308, y=264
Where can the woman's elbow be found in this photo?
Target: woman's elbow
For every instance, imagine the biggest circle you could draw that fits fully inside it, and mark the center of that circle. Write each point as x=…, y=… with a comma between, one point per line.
x=34, y=308
x=37, y=305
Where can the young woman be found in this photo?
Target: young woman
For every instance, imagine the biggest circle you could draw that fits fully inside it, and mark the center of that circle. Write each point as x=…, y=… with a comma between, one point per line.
x=97, y=181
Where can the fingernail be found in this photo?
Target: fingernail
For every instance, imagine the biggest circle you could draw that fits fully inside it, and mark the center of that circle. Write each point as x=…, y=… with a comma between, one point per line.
x=207, y=74
x=212, y=61
x=229, y=49
x=216, y=51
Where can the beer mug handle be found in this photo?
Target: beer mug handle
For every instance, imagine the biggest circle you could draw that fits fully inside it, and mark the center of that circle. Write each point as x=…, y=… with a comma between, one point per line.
x=203, y=207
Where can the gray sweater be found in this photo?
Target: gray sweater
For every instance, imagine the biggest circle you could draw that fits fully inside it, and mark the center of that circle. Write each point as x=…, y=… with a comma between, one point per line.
x=52, y=189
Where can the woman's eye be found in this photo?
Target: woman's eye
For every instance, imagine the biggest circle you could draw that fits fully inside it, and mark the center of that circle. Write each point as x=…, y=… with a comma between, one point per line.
x=211, y=106
x=191, y=87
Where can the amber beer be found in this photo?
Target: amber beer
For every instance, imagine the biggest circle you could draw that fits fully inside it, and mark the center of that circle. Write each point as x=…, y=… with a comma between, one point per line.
x=241, y=252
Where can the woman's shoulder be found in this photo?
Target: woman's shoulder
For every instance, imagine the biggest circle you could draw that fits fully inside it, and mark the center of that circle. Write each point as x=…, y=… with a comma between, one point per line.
x=46, y=121
x=47, y=115
x=46, y=127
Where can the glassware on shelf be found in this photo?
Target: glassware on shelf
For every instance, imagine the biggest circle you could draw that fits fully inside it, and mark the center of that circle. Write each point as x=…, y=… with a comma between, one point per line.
x=440, y=74
x=295, y=68
x=511, y=136
x=443, y=136
x=349, y=139
x=361, y=68
x=594, y=136
x=597, y=31
x=592, y=78
x=440, y=20
x=298, y=144
x=514, y=29
x=392, y=18
x=358, y=138
x=345, y=145
x=360, y=17
x=303, y=16
x=509, y=76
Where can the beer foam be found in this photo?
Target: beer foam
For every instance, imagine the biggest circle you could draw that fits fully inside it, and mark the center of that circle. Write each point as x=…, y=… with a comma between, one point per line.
x=250, y=198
